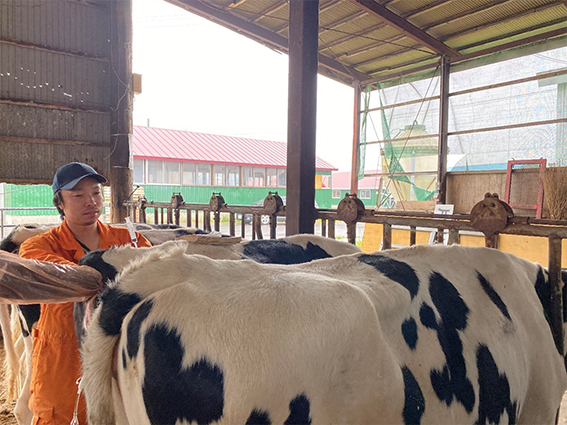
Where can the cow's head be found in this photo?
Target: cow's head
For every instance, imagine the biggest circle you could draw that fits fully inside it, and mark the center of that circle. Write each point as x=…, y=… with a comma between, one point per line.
x=21, y=233
x=110, y=263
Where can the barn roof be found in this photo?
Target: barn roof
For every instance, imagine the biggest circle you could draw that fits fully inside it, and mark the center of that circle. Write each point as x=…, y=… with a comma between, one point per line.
x=178, y=145
x=367, y=41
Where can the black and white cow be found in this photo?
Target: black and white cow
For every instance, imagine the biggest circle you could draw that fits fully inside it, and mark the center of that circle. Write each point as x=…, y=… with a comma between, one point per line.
x=290, y=250
x=18, y=367
x=429, y=334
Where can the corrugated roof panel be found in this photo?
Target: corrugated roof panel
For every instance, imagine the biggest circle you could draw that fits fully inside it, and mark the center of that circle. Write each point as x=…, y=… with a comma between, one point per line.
x=504, y=27
x=159, y=143
x=492, y=21
x=347, y=28
x=443, y=15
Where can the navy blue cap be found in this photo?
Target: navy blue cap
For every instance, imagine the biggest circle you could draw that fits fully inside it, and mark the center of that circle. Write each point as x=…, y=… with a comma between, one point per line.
x=69, y=175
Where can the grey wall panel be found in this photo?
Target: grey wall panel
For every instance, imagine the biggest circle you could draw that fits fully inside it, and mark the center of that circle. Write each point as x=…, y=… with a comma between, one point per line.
x=29, y=122
x=35, y=162
x=46, y=77
x=65, y=25
x=57, y=88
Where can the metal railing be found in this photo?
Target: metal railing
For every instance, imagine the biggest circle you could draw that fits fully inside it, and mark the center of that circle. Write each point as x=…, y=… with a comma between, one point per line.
x=5, y=227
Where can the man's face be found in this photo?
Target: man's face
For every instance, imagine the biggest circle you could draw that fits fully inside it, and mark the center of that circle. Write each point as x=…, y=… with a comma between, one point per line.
x=82, y=205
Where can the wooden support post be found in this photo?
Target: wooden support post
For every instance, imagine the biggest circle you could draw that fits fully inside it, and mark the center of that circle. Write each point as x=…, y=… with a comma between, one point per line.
x=258, y=227
x=207, y=221
x=331, y=231
x=443, y=132
x=556, y=286
x=216, y=218
x=491, y=241
x=440, y=234
x=412, y=235
x=232, y=225
x=302, y=114
x=351, y=232
x=273, y=225
x=386, y=236
x=121, y=99
x=454, y=237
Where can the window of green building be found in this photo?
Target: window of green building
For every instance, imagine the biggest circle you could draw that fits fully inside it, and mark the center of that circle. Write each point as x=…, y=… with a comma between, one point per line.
x=188, y=174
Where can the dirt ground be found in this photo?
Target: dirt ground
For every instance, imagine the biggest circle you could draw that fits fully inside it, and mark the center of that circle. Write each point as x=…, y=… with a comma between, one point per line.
x=7, y=418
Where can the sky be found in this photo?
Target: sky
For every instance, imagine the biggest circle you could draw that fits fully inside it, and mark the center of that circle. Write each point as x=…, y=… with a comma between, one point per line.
x=199, y=76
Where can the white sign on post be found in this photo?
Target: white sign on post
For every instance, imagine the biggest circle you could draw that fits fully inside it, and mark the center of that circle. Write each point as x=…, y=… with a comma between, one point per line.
x=444, y=209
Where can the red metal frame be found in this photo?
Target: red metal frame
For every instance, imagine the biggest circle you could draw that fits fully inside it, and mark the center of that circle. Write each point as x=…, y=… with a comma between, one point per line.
x=542, y=165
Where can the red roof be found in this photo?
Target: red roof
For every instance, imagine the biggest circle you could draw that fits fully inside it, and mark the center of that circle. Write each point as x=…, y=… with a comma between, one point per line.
x=341, y=180
x=177, y=145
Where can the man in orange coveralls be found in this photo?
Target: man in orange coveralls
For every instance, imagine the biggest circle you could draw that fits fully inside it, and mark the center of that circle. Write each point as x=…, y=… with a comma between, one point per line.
x=56, y=364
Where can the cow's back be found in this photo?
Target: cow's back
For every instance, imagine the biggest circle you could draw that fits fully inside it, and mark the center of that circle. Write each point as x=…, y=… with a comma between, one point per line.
x=424, y=335
x=305, y=348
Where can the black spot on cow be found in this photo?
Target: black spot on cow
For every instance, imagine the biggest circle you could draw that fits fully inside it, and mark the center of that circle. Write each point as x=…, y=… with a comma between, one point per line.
x=258, y=417
x=183, y=232
x=427, y=317
x=414, y=402
x=543, y=291
x=133, y=329
x=115, y=306
x=452, y=380
x=441, y=383
x=447, y=299
x=396, y=270
x=494, y=390
x=493, y=295
x=124, y=360
x=173, y=392
x=409, y=331
x=31, y=313
x=94, y=260
x=281, y=252
x=299, y=410
x=164, y=226
x=7, y=244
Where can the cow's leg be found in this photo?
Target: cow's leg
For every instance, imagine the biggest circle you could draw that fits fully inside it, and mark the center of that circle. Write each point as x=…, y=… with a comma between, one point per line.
x=22, y=411
x=12, y=367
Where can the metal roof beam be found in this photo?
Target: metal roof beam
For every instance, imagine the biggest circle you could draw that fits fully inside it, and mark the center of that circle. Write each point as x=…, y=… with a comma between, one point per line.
x=403, y=25
x=412, y=14
x=258, y=33
x=512, y=34
x=511, y=45
x=322, y=8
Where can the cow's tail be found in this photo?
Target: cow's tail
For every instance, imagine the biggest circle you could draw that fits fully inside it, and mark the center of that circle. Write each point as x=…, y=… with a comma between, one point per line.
x=11, y=359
